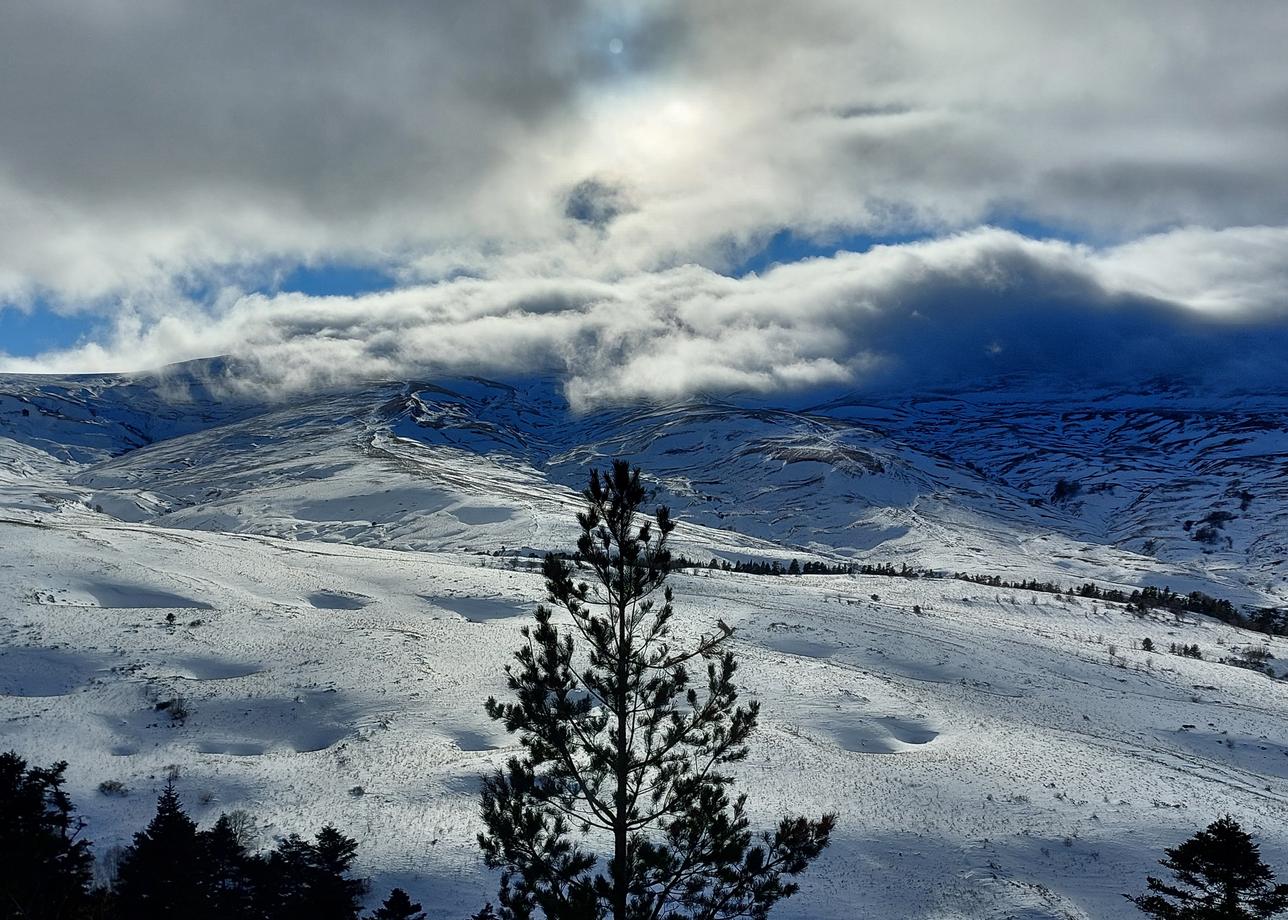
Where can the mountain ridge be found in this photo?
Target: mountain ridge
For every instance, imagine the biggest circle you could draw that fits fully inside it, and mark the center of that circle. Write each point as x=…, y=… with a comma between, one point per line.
x=1171, y=484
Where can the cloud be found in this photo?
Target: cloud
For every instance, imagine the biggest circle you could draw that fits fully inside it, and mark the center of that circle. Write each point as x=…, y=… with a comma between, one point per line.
x=596, y=202
x=151, y=148
x=963, y=308
x=557, y=186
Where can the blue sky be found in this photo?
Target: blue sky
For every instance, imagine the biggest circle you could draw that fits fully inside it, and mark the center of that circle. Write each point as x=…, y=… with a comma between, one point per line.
x=787, y=246
x=38, y=327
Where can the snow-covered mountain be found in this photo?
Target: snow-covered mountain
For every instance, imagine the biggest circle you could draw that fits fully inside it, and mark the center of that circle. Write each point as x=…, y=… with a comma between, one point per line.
x=1156, y=487
x=341, y=613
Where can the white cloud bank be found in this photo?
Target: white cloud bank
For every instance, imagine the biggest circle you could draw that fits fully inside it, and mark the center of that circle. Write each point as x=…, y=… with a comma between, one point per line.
x=975, y=304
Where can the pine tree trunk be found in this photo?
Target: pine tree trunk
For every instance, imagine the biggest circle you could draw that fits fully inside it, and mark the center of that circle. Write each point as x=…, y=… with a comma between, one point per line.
x=619, y=829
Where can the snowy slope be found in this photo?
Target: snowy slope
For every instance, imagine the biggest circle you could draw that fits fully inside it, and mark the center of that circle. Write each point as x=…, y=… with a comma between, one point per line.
x=88, y=417
x=997, y=754
x=1165, y=488
x=340, y=616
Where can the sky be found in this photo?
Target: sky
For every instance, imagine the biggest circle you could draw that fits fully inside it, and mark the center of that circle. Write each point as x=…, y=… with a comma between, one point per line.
x=648, y=200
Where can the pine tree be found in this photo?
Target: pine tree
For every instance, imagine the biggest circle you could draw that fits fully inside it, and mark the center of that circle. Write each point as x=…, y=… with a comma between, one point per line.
x=398, y=906
x=284, y=888
x=311, y=881
x=623, y=750
x=232, y=872
x=1221, y=877
x=45, y=866
x=338, y=895
x=163, y=874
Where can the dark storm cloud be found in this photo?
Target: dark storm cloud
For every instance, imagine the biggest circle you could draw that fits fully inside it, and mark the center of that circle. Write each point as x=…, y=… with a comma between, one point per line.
x=327, y=104
x=144, y=140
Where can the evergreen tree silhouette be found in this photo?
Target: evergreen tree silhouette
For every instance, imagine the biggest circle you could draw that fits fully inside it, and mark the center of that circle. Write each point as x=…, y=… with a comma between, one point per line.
x=624, y=749
x=1220, y=876
x=45, y=866
x=311, y=881
x=284, y=889
x=232, y=872
x=398, y=906
x=338, y=896
x=163, y=873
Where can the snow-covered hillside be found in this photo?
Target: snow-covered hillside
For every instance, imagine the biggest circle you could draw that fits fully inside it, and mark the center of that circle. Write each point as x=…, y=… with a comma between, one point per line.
x=340, y=616
x=1159, y=488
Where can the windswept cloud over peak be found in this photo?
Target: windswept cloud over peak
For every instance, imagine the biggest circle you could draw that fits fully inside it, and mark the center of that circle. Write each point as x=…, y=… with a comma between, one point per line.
x=1188, y=303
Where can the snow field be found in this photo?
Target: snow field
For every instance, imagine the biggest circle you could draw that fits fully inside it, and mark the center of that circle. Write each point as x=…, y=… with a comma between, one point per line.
x=999, y=754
